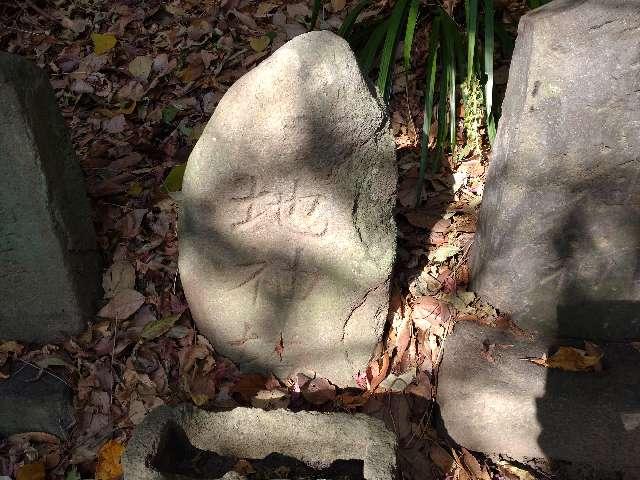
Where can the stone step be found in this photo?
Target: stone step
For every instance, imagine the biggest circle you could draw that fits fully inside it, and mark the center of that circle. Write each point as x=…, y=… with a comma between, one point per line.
x=503, y=403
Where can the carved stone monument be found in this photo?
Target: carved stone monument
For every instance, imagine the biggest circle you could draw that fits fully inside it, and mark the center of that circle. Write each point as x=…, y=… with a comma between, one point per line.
x=287, y=238
x=50, y=270
x=558, y=240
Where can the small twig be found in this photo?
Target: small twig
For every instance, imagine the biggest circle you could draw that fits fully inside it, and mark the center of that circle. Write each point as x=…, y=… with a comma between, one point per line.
x=43, y=370
x=113, y=354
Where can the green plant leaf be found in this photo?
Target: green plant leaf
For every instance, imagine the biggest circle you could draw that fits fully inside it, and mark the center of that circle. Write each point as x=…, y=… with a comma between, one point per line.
x=368, y=54
x=317, y=5
x=428, y=103
x=488, y=64
x=390, y=42
x=409, y=33
x=350, y=20
x=450, y=80
x=472, y=23
x=173, y=182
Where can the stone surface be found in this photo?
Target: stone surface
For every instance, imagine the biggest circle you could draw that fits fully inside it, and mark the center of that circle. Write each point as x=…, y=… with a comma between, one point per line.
x=317, y=439
x=29, y=405
x=287, y=238
x=50, y=273
x=512, y=406
x=558, y=237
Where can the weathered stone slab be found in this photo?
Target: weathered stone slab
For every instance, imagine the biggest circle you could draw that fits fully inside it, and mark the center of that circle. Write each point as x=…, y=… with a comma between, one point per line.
x=287, y=238
x=493, y=400
x=558, y=238
x=50, y=273
x=30, y=405
x=168, y=438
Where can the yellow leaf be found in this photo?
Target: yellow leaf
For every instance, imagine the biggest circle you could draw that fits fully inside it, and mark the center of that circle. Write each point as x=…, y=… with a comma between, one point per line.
x=571, y=359
x=264, y=9
x=199, y=399
x=259, y=43
x=135, y=190
x=109, y=466
x=513, y=470
x=140, y=67
x=103, y=42
x=31, y=471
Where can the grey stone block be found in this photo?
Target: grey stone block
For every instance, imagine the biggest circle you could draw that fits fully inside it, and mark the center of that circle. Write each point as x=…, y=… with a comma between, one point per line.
x=50, y=269
x=287, y=238
x=29, y=404
x=558, y=235
x=515, y=407
x=316, y=439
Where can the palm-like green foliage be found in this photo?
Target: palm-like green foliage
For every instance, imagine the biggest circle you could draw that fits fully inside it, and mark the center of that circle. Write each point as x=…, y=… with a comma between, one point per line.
x=446, y=62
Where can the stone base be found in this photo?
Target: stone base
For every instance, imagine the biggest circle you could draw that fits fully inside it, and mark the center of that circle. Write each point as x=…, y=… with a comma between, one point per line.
x=26, y=405
x=506, y=404
x=169, y=438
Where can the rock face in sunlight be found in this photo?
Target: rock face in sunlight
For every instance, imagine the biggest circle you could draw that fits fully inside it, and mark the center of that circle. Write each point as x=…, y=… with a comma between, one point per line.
x=287, y=238
x=557, y=247
x=559, y=230
x=50, y=269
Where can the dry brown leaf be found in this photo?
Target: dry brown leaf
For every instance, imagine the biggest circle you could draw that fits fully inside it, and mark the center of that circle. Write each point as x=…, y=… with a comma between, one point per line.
x=429, y=311
x=120, y=276
x=443, y=460
x=571, y=359
x=319, y=391
x=249, y=385
x=31, y=471
x=124, y=304
x=473, y=466
x=264, y=9
x=376, y=373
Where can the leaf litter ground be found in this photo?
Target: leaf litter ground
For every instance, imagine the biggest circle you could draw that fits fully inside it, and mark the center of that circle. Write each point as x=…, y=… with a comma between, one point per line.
x=136, y=84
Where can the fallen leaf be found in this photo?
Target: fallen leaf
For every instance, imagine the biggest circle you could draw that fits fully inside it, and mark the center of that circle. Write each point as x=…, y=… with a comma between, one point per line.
x=570, y=359
x=443, y=460
x=124, y=304
x=443, y=252
x=270, y=399
x=264, y=8
x=518, y=472
x=337, y=5
x=428, y=311
x=249, y=385
x=319, y=391
x=119, y=276
x=31, y=471
x=159, y=327
x=259, y=43
x=376, y=374
x=140, y=67
x=103, y=42
x=472, y=465
x=109, y=466
x=173, y=182
x=243, y=467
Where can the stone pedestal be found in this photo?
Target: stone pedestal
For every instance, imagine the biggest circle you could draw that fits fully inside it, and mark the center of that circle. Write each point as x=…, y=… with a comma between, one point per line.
x=167, y=441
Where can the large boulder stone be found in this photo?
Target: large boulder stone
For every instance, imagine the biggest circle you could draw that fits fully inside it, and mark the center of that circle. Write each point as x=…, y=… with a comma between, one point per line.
x=493, y=400
x=558, y=237
x=171, y=443
x=50, y=272
x=287, y=238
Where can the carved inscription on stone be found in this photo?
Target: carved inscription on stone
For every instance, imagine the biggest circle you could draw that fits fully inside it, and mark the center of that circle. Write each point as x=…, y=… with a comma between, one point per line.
x=289, y=280
x=291, y=207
